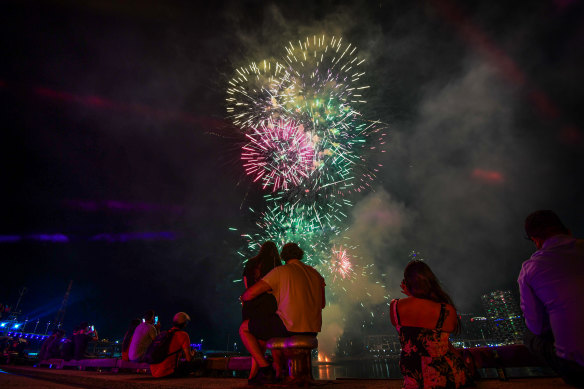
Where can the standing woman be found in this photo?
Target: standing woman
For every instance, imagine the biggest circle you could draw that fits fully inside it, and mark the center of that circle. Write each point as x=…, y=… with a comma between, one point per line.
x=424, y=321
x=264, y=305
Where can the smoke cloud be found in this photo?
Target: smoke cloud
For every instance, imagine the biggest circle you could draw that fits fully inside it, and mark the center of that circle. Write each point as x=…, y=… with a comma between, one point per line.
x=459, y=174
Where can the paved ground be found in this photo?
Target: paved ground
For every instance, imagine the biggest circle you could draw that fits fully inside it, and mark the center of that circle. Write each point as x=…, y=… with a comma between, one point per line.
x=44, y=378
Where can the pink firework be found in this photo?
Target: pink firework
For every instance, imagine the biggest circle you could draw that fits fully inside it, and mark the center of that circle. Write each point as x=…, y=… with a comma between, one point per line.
x=341, y=263
x=279, y=154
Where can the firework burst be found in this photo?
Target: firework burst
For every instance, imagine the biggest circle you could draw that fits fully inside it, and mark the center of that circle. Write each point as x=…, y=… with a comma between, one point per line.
x=325, y=82
x=324, y=89
x=340, y=265
x=253, y=93
x=279, y=154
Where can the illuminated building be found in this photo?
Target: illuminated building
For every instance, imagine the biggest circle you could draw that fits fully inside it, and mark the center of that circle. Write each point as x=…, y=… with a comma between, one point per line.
x=382, y=344
x=475, y=331
x=504, y=317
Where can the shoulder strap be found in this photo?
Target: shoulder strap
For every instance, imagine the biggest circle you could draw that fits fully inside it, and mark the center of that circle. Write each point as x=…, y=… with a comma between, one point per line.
x=171, y=333
x=395, y=312
x=441, y=318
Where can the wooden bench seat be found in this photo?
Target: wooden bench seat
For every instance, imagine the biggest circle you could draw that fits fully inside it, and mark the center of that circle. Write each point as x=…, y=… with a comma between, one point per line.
x=502, y=358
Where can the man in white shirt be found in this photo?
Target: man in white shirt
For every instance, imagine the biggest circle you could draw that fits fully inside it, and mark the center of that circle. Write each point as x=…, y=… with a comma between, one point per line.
x=143, y=337
x=299, y=291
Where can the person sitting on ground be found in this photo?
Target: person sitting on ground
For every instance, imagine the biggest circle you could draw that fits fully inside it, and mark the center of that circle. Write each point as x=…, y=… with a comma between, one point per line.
x=143, y=337
x=551, y=285
x=299, y=292
x=68, y=347
x=44, y=351
x=81, y=339
x=128, y=339
x=54, y=350
x=424, y=321
x=16, y=353
x=51, y=346
x=5, y=342
x=265, y=305
x=180, y=347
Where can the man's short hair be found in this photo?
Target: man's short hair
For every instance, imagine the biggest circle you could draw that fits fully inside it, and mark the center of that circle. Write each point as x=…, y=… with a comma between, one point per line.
x=149, y=315
x=543, y=224
x=291, y=251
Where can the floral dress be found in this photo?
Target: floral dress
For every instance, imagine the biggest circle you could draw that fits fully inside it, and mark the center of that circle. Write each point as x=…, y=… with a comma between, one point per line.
x=427, y=358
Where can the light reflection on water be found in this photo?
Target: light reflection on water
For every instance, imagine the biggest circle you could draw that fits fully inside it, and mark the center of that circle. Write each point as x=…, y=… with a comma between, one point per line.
x=389, y=369
x=363, y=368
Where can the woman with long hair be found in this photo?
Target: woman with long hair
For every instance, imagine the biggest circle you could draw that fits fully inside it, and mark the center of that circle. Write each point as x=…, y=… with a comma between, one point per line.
x=264, y=305
x=424, y=321
x=260, y=265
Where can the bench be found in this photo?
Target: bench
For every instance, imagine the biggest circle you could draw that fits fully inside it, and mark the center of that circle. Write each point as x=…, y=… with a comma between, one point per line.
x=113, y=364
x=117, y=365
x=296, y=355
x=502, y=358
x=56, y=363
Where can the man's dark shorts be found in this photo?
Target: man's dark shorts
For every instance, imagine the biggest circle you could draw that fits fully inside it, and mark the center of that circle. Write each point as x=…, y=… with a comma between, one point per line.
x=272, y=326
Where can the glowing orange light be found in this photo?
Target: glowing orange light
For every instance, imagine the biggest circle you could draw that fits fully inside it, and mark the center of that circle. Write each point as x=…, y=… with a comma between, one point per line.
x=322, y=357
x=489, y=176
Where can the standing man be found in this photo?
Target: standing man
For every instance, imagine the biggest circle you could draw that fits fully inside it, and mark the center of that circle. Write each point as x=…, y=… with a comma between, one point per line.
x=143, y=337
x=299, y=292
x=551, y=284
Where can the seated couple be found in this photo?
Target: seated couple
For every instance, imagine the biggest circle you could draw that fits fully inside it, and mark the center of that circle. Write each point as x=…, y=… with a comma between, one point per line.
x=280, y=301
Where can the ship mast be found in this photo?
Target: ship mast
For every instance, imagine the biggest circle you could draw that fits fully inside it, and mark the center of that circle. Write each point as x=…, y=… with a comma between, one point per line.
x=61, y=312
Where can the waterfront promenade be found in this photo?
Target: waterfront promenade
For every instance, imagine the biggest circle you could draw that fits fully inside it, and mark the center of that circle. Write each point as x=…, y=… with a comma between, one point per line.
x=44, y=378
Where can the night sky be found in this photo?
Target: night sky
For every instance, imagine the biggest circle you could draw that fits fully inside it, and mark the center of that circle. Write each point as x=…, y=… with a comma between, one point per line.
x=120, y=170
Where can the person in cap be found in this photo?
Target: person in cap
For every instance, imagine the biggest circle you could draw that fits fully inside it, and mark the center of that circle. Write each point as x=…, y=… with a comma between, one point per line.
x=179, y=348
x=551, y=287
